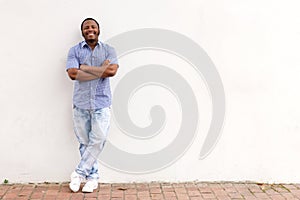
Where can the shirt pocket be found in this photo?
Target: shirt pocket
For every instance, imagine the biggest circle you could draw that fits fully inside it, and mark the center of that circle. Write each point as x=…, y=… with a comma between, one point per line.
x=83, y=60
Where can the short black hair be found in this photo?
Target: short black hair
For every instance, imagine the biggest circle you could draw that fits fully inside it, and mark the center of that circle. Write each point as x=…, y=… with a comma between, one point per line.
x=89, y=18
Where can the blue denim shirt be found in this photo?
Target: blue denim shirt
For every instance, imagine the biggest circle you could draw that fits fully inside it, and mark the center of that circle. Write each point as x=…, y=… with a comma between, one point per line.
x=94, y=94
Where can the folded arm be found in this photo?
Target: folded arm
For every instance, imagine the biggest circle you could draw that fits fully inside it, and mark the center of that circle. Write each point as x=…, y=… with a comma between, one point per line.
x=105, y=70
x=87, y=73
x=77, y=74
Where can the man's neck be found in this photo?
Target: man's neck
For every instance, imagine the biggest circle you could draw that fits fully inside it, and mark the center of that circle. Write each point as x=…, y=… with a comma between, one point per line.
x=92, y=44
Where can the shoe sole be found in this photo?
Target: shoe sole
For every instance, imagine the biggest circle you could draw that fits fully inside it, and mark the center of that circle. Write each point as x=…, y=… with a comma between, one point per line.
x=88, y=191
x=72, y=189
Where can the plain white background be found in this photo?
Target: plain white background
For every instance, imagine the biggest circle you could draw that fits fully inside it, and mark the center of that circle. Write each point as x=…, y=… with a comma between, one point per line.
x=254, y=45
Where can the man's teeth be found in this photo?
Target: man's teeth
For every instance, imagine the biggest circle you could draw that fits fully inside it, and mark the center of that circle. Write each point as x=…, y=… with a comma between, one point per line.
x=91, y=34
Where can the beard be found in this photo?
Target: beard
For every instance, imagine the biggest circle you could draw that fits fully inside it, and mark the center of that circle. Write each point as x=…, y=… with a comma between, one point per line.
x=91, y=40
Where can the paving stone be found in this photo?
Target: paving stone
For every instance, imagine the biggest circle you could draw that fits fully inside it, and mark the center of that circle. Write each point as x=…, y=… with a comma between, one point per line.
x=153, y=191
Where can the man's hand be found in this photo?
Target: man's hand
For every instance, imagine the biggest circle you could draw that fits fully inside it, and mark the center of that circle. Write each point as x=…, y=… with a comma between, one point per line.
x=105, y=63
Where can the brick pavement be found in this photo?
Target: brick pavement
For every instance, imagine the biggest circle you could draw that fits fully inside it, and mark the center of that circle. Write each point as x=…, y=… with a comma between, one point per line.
x=147, y=191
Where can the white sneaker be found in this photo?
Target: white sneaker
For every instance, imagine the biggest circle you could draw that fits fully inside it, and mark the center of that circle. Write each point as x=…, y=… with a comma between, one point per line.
x=76, y=180
x=90, y=186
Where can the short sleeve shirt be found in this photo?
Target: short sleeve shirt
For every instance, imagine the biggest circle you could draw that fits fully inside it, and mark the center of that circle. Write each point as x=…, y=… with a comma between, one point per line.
x=93, y=94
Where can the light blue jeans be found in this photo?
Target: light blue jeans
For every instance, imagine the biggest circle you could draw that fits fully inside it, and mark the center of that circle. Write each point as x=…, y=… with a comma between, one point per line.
x=91, y=129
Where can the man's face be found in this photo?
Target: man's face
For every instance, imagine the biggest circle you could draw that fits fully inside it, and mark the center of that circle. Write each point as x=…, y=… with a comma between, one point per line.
x=90, y=31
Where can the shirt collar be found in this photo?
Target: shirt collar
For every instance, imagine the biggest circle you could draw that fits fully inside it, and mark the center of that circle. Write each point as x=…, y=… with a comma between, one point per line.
x=83, y=43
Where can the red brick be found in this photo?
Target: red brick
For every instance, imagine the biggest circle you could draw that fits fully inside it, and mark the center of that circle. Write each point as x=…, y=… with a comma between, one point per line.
x=207, y=195
x=143, y=194
x=157, y=196
x=91, y=195
x=50, y=196
x=250, y=197
x=117, y=198
x=155, y=190
x=261, y=195
x=77, y=196
x=154, y=184
x=37, y=195
x=197, y=198
x=194, y=193
x=104, y=196
x=130, y=197
x=104, y=191
x=205, y=190
x=131, y=191
x=117, y=193
x=235, y=195
x=180, y=191
x=169, y=194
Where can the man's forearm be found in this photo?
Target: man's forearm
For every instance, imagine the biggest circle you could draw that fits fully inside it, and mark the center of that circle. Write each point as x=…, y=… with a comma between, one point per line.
x=103, y=71
x=96, y=71
x=77, y=74
x=84, y=76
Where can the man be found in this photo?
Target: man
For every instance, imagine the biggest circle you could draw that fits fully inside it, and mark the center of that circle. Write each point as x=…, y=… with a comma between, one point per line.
x=90, y=64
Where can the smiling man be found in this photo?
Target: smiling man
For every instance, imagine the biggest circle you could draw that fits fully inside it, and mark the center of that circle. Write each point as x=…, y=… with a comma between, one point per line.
x=90, y=64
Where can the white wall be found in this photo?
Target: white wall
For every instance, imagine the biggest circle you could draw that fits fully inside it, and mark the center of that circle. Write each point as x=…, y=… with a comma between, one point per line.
x=254, y=45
